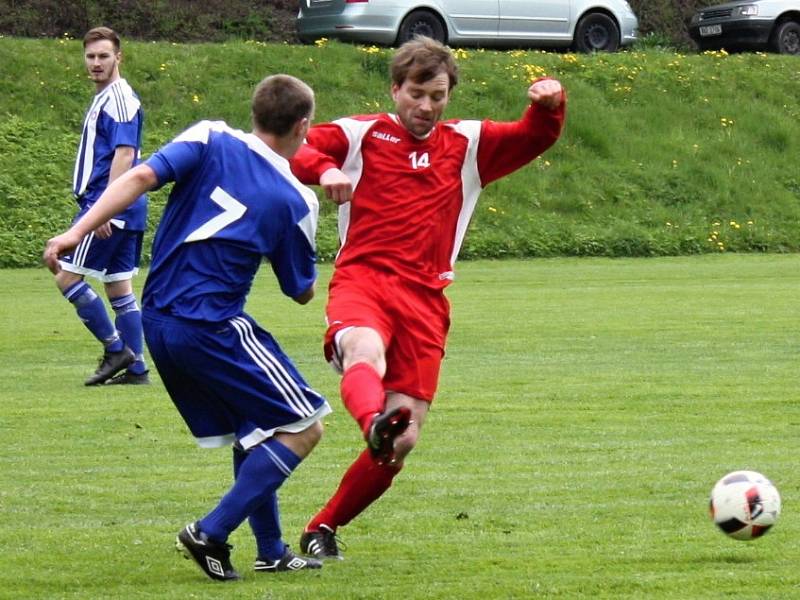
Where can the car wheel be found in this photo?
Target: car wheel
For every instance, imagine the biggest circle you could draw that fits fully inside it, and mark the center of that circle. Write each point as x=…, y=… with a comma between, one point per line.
x=596, y=32
x=786, y=38
x=421, y=22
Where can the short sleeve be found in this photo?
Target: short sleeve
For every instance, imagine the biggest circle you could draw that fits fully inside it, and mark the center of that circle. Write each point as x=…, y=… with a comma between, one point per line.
x=178, y=159
x=293, y=261
x=124, y=133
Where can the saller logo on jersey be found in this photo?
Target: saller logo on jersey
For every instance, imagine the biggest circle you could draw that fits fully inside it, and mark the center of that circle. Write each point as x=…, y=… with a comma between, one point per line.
x=385, y=136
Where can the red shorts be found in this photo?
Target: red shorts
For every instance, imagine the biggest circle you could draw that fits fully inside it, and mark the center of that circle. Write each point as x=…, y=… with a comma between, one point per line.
x=412, y=320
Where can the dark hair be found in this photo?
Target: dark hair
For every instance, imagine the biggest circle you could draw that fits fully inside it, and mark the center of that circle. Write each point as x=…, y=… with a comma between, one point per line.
x=102, y=33
x=421, y=59
x=279, y=102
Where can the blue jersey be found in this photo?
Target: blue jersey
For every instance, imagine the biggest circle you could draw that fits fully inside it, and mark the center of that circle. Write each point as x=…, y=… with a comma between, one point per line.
x=235, y=201
x=114, y=119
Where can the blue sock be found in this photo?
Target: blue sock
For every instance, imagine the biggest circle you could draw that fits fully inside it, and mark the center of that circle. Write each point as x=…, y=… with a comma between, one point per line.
x=260, y=474
x=265, y=520
x=92, y=312
x=129, y=324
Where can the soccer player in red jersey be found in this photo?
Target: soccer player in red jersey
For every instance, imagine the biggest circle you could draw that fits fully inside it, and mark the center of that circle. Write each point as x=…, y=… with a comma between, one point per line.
x=406, y=184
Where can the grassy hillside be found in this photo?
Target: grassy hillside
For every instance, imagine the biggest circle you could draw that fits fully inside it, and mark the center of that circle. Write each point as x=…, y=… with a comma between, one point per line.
x=663, y=153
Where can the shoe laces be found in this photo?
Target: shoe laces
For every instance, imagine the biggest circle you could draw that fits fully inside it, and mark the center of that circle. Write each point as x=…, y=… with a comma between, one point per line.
x=331, y=541
x=214, y=544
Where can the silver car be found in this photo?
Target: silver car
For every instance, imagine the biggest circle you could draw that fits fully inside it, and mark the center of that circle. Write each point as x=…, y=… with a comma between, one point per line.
x=585, y=25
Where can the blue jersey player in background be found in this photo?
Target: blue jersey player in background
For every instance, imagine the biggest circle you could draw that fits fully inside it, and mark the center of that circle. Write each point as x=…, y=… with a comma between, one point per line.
x=234, y=202
x=109, y=146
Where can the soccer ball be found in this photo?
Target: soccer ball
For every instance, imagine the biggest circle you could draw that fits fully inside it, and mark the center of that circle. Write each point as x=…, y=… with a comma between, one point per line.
x=745, y=504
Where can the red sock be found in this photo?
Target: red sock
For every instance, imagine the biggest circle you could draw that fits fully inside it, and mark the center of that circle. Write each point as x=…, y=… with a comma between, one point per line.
x=362, y=394
x=363, y=483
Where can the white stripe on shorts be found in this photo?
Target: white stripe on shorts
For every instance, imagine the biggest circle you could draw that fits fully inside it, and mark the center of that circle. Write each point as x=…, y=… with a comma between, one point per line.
x=79, y=257
x=282, y=381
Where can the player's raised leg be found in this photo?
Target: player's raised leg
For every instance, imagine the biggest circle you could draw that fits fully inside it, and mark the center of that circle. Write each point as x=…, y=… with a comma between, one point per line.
x=366, y=480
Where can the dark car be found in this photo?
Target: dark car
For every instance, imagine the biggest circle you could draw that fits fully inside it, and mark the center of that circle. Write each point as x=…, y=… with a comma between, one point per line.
x=769, y=25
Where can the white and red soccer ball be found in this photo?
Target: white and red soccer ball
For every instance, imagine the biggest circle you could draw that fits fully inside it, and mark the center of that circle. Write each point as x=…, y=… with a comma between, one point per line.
x=745, y=504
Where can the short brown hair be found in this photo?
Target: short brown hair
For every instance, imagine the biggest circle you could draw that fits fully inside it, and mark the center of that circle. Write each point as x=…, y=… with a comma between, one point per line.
x=279, y=102
x=421, y=59
x=102, y=33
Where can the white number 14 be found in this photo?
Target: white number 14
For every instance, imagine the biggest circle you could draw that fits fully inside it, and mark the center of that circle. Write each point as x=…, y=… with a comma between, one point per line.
x=422, y=161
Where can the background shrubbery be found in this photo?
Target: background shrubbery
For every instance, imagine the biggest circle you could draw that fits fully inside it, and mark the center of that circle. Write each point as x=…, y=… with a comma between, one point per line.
x=667, y=19
x=263, y=20
x=174, y=20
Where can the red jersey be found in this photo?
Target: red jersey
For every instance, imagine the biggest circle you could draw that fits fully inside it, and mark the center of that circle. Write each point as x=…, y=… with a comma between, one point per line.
x=413, y=198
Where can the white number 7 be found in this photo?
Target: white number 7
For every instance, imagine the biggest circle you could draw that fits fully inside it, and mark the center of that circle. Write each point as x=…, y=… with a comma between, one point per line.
x=233, y=211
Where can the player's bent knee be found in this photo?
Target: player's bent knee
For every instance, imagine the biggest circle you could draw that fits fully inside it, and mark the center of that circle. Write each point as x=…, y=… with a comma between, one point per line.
x=404, y=444
x=115, y=289
x=65, y=279
x=313, y=434
x=303, y=442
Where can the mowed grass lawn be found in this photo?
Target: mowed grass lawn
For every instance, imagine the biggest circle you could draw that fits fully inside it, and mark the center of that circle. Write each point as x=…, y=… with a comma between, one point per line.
x=586, y=408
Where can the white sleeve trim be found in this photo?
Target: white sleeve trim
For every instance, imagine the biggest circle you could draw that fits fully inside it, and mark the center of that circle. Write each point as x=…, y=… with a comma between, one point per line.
x=470, y=182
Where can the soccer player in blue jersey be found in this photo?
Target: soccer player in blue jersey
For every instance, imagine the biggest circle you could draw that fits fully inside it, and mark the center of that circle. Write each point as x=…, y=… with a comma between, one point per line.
x=234, y=202
x=109, y=146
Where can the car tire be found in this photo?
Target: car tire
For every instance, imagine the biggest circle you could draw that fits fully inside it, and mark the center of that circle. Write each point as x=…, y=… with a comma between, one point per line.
x=786, y=38
x=421, y=22
x=596, y=32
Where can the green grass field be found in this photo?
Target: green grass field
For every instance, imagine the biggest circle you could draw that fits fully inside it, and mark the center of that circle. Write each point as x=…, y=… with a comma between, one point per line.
x=586, y=408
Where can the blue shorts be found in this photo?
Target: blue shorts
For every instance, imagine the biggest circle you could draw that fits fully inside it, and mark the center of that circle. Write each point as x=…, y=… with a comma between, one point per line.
x=113, y=259
x=230, y=381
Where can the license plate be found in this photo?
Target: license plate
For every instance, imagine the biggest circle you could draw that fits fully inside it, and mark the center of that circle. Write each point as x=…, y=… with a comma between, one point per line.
x=708, y=30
